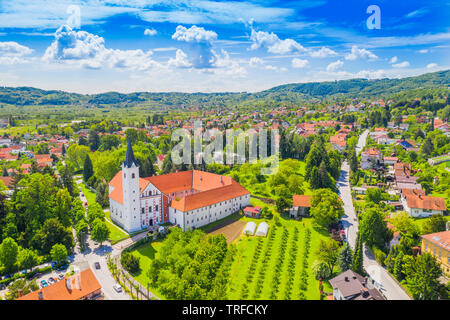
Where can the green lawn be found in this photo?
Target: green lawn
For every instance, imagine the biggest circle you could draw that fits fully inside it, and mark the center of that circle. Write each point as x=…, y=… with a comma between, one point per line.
x=421, y=221
x=90, y=196
x=146, y=253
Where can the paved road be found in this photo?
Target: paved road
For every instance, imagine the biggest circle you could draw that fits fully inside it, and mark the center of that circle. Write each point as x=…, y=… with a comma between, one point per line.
x=383, y=280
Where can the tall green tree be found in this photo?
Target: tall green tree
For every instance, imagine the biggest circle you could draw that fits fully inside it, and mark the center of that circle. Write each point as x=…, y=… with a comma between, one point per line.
x=345, y=258
x=328, y=252
x=326, y=207
x=8, y=254
x=59, y=253
x=88, y=169
x=357, y=264
x=27, y=259
x=100, y=231
x=422, y=274
x=373, y=228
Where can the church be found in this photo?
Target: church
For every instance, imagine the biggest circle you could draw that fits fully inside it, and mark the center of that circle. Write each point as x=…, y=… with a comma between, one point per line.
x=189, y=199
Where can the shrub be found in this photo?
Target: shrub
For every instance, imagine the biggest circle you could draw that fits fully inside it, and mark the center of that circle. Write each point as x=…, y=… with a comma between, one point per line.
x=380, y=256
x=130, y=262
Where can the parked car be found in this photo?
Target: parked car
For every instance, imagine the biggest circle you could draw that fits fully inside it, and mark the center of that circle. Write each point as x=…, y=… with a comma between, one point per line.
x=117, y=287
x=61, y=276
x=44, y=284
x=97, y=265
x=51, y=280
x=63, y=267
x=36, y=275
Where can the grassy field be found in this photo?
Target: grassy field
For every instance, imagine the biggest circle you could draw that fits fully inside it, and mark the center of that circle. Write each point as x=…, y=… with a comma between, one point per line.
x=421, y=221
x=146, y=253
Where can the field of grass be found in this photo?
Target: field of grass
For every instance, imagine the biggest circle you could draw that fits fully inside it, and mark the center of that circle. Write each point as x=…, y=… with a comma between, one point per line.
x=90, y=196
x=146, y=253
x=288, y=288
x=421, y=221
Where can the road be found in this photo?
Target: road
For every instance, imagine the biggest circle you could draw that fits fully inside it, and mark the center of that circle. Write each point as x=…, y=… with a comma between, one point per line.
x=383, y=280
x=95, y=253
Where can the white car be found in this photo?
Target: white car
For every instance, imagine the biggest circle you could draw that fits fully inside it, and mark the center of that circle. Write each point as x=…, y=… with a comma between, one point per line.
x=117, y=287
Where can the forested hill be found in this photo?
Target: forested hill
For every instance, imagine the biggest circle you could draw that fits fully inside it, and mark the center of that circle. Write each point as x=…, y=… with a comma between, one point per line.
x=367, y=88
x=286, y=94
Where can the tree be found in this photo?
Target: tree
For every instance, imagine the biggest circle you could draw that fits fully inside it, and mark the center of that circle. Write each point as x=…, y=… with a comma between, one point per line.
x=328, y=252
x=282, y=203
x=51, y=233
x=67, y=180
x=88, y=170
x=21, y=285
x=373, y=228
x=27, y=258
x=93, y=140
x=353, y=160
x=427, y=147
x=357, y=264
x=403, y=222
x=94, y=211
x=100, y=231
x=374, y=195
x=8, y=254
x=436, y=223
x=422, y=273
x=345, y=258
x=320, y=270
x=326, y=207
x=130, y=262
x=59, y=254
x=102, y=193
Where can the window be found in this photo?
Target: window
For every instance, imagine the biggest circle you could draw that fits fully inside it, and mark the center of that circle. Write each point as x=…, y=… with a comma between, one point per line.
x=156, y=209
x=132, y=176
x=143, y=210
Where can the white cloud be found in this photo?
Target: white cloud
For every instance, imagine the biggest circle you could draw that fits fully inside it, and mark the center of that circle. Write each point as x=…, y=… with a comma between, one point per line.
x=394, y=59
x=417, y=13
x=87, y=50
x=194, y=34
x=273, y=43
x=357, y=53
x=255, y=61
x=431, y=65
x=324, y=52
x=403, y=64
x=150, y=32
x=13, y=49
x=180, y=60
x=200, y=52
x=335, y=65
x=299, y=63
x=423, y=51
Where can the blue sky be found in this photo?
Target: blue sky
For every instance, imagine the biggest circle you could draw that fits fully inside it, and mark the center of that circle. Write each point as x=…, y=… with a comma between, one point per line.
x=215, y=46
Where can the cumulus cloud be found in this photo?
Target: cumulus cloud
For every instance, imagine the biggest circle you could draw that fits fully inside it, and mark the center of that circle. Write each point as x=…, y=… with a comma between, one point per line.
x=324, y=52
x=13, y=53
x=357, y=53
x=299, y=63
x=180, y=61
x=403, y=64
x=201, y=54
x=431, y=65
x=150, y=32
x=194, y=34
x=394, y=59
x=335, y=65
x=13, y=49
x=423, y=51
x=88, y=50
x=273, y=43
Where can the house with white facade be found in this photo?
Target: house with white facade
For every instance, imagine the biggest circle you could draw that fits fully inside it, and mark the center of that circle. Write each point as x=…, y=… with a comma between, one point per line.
x=189, y=199
x=418, y=205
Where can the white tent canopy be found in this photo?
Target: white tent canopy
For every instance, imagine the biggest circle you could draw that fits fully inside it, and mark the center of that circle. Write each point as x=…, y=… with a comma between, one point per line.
x=250, y=228
x=262, y=230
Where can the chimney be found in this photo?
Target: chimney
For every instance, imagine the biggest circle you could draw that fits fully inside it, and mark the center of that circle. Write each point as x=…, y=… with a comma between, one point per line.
x=19, y=292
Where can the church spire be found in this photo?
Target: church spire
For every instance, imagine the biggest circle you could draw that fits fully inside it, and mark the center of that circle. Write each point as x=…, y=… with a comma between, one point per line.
x=129, y=157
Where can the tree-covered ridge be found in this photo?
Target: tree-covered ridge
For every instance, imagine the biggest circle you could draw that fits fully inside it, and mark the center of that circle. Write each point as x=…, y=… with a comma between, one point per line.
x=288, y=94
x=367, y=88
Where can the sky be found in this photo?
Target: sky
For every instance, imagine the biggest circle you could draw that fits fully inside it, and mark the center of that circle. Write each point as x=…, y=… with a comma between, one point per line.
x=95, y=46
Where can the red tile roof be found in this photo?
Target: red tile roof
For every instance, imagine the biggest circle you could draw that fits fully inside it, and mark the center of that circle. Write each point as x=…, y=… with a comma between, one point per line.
x=442, y=239
x=59, y=291
x=425, y=202
x=301, y=201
